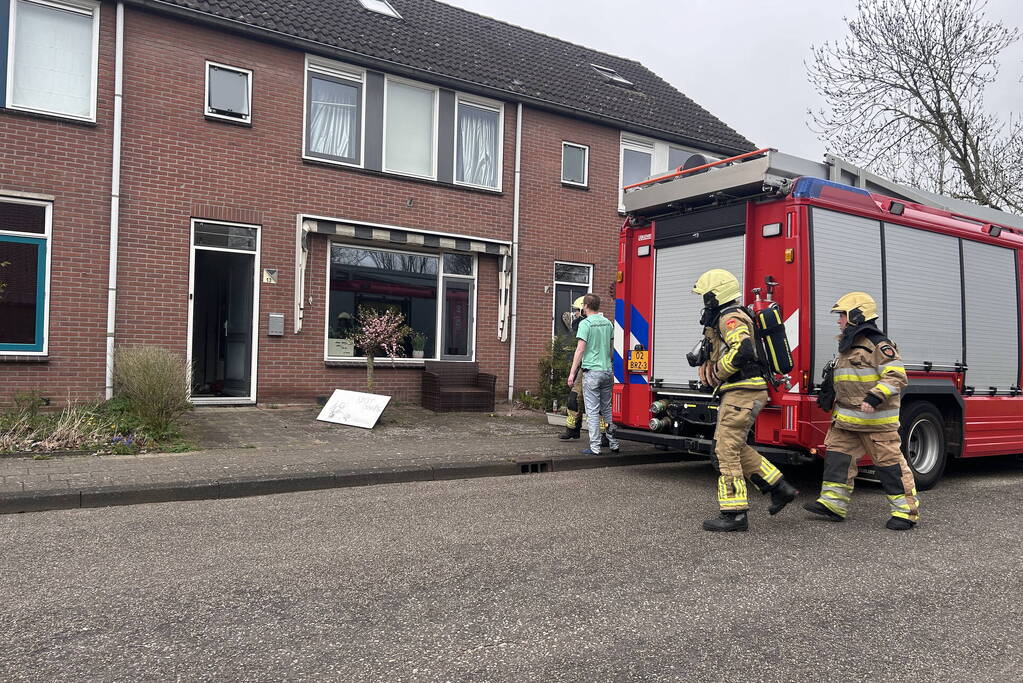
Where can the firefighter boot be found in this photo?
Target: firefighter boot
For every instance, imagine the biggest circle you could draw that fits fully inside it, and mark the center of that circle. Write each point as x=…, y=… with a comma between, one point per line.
x=818, y=508
x=782, y=493
x=899, y=524
x=728, y=520
x=569, y=433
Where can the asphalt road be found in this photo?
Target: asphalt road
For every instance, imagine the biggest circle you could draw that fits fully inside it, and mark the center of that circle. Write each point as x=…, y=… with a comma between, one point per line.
x=597, y=575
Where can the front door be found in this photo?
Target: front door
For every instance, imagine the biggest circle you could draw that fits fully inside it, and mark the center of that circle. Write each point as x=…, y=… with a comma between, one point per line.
x=224, y=291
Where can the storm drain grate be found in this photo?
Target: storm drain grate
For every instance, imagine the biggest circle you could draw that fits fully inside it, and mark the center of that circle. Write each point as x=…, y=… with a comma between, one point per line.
x=535, y=467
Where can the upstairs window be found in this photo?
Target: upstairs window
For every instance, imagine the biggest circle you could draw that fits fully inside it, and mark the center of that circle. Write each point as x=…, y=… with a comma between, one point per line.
x=228, y=93
x=334, y=106
x=574, y=164
x=24, y=261
x=54, y=48
x=477, y=144
x=410, y=129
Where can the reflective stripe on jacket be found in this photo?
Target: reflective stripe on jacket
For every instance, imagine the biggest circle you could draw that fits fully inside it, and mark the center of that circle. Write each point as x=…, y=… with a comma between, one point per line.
x=733, y=354
x=871, y=372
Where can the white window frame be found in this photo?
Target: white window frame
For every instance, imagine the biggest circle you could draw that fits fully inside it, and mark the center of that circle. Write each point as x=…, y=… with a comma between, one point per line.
x=47, y=236
x=333, y=69
x=86, y=7
x=554, y=291
x=389, y=12
x=436, y=124
x=211, y=113
x=658, y=150
x=586, y=164
x=438, y=320
x=480, y=103
x=256, y=284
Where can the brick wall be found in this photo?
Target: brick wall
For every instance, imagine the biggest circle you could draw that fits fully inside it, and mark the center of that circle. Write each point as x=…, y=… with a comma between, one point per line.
x=177, y=165
x=71, y=162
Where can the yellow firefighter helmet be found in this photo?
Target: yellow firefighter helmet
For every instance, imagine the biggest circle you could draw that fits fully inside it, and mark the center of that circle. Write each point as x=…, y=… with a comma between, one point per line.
x=718, y=284
x=578, y=303
x=858, y=306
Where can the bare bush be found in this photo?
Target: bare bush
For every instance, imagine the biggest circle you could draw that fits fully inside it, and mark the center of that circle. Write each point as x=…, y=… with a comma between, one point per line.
x=155, y=382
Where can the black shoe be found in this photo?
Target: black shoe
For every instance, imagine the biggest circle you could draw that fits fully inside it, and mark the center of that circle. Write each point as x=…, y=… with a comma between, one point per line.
x=569, y=434
x=819, y=508
x=727, y=521
x=604, y=443
x=616, y=451
x=782, y=493
x=899, y=524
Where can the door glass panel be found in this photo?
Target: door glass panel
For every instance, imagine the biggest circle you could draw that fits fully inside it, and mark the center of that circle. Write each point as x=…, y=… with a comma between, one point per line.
x=457, y=318
x=20, y=300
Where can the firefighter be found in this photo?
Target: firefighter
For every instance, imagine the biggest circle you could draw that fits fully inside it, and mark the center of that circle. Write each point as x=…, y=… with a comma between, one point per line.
x=868, y=378
x=738, y=377
x=574, y=404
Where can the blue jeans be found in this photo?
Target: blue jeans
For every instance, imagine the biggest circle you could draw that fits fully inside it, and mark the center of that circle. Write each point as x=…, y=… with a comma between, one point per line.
x=597, y=386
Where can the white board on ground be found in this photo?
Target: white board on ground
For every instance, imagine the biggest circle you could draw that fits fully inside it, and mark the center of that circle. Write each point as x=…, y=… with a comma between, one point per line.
x=353, y=408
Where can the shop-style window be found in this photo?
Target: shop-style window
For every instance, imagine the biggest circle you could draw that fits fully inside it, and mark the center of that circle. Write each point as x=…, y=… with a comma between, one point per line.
x=434, y=292
x=24, y=260
x=54, y=48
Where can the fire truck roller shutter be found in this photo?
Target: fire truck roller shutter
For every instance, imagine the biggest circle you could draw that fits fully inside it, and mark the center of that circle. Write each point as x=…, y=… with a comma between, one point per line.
x=992, y=317
x=676, y=309
x=846, y=257
x=924, y=296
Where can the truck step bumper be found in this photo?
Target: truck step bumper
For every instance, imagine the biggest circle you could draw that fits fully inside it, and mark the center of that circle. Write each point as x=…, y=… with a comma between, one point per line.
x=705, y=447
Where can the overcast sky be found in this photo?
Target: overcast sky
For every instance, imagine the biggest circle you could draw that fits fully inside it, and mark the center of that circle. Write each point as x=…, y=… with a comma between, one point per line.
x=740, y=59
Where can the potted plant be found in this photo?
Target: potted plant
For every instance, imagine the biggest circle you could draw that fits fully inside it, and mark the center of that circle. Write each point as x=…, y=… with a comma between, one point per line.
x=380, y=334
x=418, y=340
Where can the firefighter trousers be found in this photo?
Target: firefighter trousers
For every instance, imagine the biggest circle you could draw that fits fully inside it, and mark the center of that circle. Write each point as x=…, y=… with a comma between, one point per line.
x=845, y=448
x=734, y=457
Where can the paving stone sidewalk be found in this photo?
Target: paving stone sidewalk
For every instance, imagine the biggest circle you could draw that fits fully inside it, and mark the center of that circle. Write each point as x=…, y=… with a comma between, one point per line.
x=250, y=451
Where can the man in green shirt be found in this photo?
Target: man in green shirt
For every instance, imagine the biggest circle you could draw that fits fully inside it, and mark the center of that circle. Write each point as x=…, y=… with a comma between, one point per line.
x=593, y=359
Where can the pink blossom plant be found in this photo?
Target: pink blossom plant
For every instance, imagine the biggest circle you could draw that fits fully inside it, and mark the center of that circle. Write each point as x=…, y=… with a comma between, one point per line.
x=380, y=334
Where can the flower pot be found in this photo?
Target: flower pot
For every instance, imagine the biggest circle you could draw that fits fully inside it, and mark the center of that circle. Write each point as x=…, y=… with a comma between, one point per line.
x=340, y=348
x=417, y=353
x=556, y=419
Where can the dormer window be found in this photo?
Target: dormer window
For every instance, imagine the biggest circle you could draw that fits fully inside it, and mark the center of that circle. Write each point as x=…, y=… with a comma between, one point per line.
x=381, y=6
x=613, y=76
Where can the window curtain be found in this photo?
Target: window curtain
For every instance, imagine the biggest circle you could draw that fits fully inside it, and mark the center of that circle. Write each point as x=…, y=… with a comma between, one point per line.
x=477, y=146
x=52, y=60
x=409, y=129
x=333, y=118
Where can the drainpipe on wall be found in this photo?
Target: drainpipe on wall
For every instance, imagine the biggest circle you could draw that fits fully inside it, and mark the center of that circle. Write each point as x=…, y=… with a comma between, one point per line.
x=115, y=198
x=515, y=252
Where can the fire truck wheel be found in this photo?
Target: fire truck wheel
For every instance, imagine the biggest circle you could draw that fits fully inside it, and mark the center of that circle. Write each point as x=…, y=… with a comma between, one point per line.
x=923, y=442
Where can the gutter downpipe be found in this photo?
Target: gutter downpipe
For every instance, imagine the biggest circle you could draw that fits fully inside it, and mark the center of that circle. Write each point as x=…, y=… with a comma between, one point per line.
x=115, y=199
x=515, y=252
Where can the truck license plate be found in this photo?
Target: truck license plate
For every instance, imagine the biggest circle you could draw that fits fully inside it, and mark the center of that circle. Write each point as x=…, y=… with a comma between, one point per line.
x=638, y=361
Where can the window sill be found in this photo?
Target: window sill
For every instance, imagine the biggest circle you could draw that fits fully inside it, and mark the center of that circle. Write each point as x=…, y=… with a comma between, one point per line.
x=49, y=117
x=228, y=120
x=397, y=176
x=407, y=363
x=574, y=186
x=23, y=358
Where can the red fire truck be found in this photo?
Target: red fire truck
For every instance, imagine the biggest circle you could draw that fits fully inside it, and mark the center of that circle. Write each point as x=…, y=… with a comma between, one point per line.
x=946, y=276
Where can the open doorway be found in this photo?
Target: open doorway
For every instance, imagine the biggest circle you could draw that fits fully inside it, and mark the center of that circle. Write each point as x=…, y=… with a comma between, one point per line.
x=224, y=291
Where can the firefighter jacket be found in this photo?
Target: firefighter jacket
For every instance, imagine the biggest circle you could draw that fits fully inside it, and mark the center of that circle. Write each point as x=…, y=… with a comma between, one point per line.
x=733, y=353
x=868, y=368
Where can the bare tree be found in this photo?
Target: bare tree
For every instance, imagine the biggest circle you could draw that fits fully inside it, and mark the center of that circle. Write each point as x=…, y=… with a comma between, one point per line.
x=905, y=98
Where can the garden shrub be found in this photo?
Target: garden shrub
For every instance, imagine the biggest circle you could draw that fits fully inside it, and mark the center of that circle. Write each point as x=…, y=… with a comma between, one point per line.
x=155, y=384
